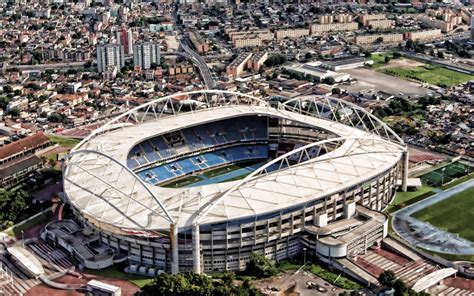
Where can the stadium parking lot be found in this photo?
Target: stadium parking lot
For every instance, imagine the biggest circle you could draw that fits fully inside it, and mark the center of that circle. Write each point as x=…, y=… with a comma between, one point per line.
x=371, y=79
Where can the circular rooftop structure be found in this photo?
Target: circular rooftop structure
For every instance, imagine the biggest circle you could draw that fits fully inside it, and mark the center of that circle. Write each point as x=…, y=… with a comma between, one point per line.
x=149, y=167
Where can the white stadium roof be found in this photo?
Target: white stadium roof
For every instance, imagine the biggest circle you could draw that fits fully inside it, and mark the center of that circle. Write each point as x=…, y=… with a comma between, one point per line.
x=99, y=184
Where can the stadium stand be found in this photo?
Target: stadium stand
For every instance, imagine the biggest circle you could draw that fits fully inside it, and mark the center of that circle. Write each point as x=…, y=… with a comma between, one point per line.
x=209, y=160
x=173, y=144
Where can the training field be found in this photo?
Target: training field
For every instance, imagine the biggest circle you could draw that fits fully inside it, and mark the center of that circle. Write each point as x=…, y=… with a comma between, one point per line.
x=429, y=74
x=437, y=177
x=454, y=214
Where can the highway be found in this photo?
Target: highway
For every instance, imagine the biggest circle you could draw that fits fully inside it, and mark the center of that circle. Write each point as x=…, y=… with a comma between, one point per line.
x=200, y=63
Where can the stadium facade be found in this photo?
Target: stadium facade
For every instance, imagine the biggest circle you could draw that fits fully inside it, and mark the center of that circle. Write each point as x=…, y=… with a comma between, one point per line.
x=313, y=172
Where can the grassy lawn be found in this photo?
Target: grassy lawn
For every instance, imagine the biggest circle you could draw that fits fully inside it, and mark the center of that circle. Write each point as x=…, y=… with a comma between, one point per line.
x=379, y=59
x=430, y=74
x=221, y=171
x=113, y=272
x=451, y=257
x=183, y=182
x=452, y=214
x=284, y=266
x=64, y=141
x=403, y=199
x=341, y=282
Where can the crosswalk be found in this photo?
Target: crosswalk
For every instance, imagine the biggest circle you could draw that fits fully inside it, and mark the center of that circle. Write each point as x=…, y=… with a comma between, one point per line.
x=53, y=259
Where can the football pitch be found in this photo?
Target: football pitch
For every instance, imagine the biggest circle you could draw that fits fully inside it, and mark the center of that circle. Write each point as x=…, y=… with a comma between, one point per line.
x=223, y=174
x=454, y=214
x=431, y=74
x=445, y=174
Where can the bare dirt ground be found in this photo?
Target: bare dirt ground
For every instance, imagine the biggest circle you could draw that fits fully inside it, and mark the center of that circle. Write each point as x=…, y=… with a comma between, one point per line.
x=294, y=284
x=402, y=63
x=371, y=79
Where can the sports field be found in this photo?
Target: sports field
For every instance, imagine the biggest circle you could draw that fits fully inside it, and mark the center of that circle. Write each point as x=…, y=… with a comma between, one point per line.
x=223, y=174
x=445, y=174
x=454, y=214
x=429, y=74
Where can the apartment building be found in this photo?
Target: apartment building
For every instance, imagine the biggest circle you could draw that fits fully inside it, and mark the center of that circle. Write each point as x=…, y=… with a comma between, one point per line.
x=110, y=55
x=125, y=38
x=145, y=54
x=386, y=38
x=325, y=19
x=291, y=33
x=262, y=34
x=180, y=69
x=237, y=66
x=365, y=18
x=317, y=29
x=380, y=24
x=65, y=54
x=257, y=60
x=254, y=41
x=423, y=35
x=344, y=18
x=444, y=26
x=199, y=43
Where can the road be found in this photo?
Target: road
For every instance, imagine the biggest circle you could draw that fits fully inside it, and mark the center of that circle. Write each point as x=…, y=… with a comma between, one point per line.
x=200, y=63
x=440, y=62
x=69, y=65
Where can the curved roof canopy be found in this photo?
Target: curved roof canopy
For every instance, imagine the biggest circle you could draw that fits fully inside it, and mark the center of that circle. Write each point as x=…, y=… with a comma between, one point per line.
x=99, y=184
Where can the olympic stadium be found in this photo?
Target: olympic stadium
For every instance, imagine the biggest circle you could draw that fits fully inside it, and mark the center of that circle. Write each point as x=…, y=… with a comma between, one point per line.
x=200, y=180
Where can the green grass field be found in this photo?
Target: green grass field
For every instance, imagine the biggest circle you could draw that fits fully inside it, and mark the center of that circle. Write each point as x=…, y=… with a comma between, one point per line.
x=183, y=182
x=403, y=199
x=113, y=272
x=379, y=59
x=64, y=141
x=221, y=171
x=430, y=74
x=453, y=214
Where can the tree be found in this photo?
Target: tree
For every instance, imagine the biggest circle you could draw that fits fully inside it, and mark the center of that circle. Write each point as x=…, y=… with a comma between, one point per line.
x=260, y=266
x=440, y=54
x=7, y=89
x=275, y=60
x=184, y=284
x=336, y=91
x=400, y=287
x=14, y=112
x=12, y=201
x=329, y=80
x=387, y=278
x=387, y=59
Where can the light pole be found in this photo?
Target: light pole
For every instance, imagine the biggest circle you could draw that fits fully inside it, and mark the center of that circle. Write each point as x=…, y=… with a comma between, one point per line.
x=23, y=238
x=304, y=256
x=442, y=176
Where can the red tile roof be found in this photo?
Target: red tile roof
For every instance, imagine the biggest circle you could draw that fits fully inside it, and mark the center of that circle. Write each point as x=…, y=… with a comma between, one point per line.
x=27, y=143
